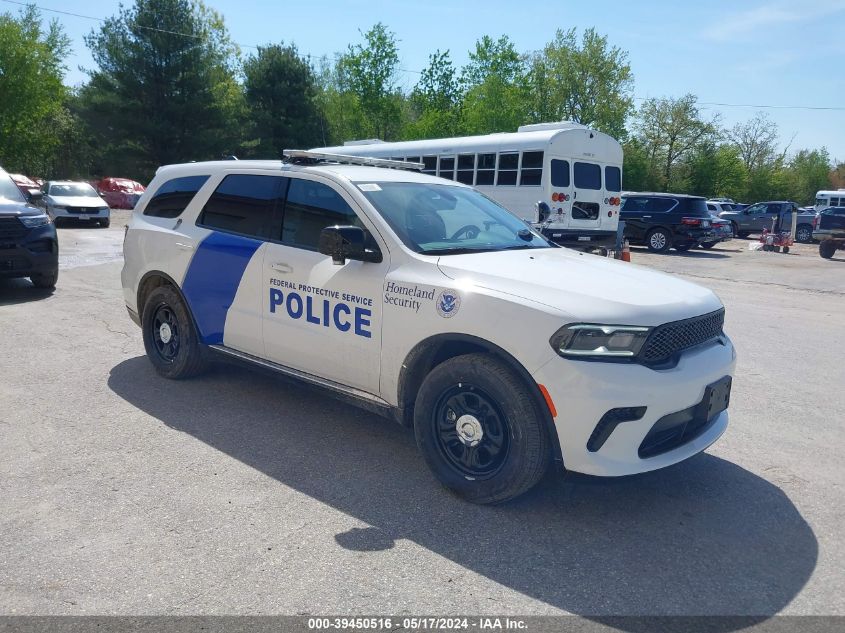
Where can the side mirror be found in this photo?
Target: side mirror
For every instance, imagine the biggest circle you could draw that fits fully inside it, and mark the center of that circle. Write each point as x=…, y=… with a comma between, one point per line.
x=346, y=242
x=34, y=196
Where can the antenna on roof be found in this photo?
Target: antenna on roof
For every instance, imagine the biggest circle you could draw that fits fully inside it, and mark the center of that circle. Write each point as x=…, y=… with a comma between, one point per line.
x=304, y=157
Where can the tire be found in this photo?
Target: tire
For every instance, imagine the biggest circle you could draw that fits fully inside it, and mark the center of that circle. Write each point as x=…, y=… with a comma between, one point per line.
x=743, y=234
x=735, y=229
x=785, y=249
x=105, y=223
x=658, y=240
x=827, y=248
x=682, y=248
x=47, y=281
x=804, y=233
x=708, y=245
x=462, y=388
x=175, y=352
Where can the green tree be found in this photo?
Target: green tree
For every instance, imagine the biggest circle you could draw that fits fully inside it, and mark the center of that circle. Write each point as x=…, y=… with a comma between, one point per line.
x=165, y=89
x=32, y=114
x=671, y=129
x=281, y=97
x=590, y=83
x=717, y=170
x=369, y=71
x=496, y=85
x=807, y=173
x=756, y=140
x=436, y=100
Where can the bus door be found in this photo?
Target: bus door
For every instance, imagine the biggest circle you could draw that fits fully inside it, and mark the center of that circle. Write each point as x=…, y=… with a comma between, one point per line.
x=587, y=195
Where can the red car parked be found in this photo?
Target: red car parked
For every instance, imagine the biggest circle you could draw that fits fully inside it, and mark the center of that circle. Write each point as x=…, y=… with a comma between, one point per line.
x=25, y=184
x=119, y=193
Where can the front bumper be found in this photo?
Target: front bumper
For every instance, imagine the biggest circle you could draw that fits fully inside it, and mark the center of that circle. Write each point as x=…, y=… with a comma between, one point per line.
x=35, y=253
x=79, y=213
x=585, y=391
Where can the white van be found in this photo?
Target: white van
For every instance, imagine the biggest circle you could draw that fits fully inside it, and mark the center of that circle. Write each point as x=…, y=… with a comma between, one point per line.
x=573, y=169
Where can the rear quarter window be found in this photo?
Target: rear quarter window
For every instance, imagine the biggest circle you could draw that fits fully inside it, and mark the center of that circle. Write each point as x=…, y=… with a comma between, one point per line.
x=694, y=207
x=171, y=199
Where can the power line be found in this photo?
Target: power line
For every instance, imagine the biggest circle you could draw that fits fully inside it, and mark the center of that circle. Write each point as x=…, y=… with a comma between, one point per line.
x=417, y=72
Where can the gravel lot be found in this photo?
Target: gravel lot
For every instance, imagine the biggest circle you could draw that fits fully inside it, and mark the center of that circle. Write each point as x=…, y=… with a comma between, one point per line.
x=236, y=493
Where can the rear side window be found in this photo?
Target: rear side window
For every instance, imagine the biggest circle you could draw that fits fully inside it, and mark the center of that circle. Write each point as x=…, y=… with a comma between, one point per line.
x=243, y=204
x=613, y=179
x=311, y=207
x=560, y=173
x=531, y=173
x=694, y=206
x=661, y=205
x=587, y=176
x=174, y=196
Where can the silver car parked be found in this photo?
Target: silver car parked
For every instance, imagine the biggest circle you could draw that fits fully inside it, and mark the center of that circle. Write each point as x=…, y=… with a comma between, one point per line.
x=65, y=199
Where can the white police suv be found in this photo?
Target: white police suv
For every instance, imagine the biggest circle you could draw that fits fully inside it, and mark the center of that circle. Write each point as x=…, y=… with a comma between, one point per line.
x=423, y=299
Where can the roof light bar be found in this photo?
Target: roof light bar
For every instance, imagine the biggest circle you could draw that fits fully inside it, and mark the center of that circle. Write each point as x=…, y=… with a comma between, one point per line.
x=301, y=155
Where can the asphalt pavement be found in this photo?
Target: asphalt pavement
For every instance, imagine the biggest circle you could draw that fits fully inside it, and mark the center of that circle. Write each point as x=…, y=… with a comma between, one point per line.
x=240, y=493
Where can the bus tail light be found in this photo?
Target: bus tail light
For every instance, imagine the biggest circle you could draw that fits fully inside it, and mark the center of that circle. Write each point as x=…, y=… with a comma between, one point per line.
x=555, y=197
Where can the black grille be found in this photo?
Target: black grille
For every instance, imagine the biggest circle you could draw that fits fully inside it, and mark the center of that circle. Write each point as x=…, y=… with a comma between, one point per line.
x=92, y=210
x=671, y=338
x=11, y=229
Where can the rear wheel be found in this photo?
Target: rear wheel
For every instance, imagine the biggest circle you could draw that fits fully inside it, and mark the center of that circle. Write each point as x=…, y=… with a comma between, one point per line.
x=708, y=245
x=785, y=249
x=682, y=248
x=827, y=248
x=479, y=429
x=658, y=241
x=743, y=234
x=804, y=233
x=170, y=337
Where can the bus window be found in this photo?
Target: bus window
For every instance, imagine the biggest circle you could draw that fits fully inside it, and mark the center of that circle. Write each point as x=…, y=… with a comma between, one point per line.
x=447, y=167
x=531, y=173
x=587, y=176
x=400, y=159
x=560, y=173
x=508, y=164
x=613, y=179
x=413, y=159
x=430, y=165
x=486, y=169
x=466, y=168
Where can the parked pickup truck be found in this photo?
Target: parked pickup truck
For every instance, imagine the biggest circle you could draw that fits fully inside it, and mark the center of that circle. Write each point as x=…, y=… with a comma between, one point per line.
x=829, y=229
x=759, y=216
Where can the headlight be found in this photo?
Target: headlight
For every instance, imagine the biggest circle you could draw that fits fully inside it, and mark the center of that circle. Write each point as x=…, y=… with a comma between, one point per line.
x=586, y=340
x=103, y=209
x=33, y=221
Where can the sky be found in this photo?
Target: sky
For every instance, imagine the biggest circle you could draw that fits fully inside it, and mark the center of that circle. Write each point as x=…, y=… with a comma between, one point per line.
x=725, y=52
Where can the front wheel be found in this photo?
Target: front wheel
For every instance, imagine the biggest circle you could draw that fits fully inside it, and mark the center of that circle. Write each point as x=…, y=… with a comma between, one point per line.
x=658, y=241
x=105, y=223
x=479, y=429
x=708, y=245
x=170, y=337
x=46, y=281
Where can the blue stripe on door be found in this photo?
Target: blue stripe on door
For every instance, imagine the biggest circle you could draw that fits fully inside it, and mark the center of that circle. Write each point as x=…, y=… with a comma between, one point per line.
x=212, y=281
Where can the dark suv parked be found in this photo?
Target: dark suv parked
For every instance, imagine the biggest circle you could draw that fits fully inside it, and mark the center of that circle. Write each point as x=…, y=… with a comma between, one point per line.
x=28, y=244
x=665, y=220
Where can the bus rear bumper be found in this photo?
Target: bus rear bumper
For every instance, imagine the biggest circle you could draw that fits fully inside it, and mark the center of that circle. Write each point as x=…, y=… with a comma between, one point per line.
x=581, y=238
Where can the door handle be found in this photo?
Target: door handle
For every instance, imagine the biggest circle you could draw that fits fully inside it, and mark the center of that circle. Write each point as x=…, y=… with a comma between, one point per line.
x=185, y=247
x=282, y=267
x=646, y=216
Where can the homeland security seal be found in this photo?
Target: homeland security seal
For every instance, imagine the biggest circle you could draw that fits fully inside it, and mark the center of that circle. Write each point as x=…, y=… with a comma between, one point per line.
x=448, y=303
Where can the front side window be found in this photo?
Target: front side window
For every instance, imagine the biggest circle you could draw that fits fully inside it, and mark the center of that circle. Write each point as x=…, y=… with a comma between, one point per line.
x=173, y=196
x=445, y=220
x=587, y=176
x=756, y=208
x=243, y=204
x=613, y=178
x=508, y=164
x=560, y=173
x=310, y=207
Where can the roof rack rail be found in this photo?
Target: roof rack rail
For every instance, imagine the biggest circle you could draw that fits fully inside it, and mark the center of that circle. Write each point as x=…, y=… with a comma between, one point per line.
x=305, y=157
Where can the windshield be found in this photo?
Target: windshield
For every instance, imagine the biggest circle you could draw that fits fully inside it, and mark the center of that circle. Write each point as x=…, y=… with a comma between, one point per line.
x=438, y=219
x=74, y=189
x=9, y=190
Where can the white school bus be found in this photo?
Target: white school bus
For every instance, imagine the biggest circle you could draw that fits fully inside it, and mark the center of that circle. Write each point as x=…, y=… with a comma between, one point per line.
x=575, y=170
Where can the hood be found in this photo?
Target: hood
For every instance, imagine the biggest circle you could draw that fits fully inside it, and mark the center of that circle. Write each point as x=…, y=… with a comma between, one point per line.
x=586, y=287
x=77, y=201
x=11, y=208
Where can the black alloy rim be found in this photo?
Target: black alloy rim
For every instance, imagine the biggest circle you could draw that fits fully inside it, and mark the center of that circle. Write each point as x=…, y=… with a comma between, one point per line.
x=486, y=458
x=164, y=315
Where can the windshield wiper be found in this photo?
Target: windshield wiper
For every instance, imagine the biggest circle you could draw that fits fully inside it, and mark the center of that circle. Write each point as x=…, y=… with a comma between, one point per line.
x=457, y=251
